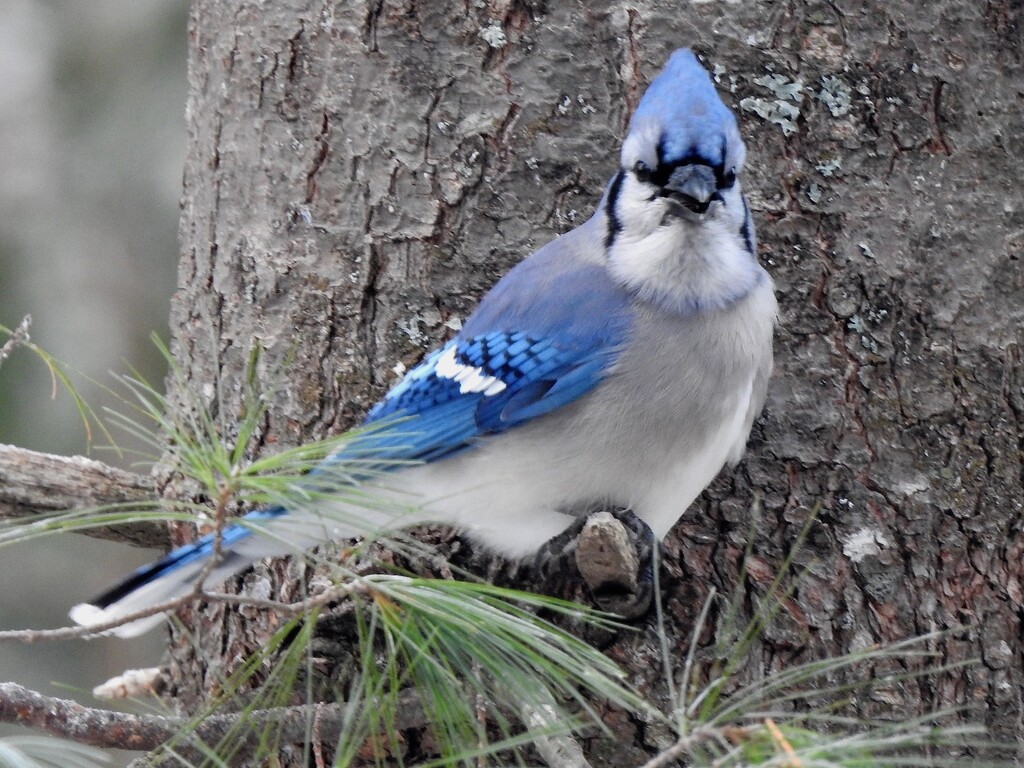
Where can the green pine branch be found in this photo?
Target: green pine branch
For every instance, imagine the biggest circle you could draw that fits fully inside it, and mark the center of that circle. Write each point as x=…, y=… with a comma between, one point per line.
x=492, y=678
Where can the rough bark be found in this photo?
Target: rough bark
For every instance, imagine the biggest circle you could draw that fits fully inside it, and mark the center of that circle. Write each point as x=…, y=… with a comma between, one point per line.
x=33, y=483
x=359, y=173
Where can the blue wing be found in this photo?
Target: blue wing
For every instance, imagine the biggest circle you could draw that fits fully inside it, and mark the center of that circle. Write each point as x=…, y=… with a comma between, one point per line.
x=480, y=386
x=544, y=336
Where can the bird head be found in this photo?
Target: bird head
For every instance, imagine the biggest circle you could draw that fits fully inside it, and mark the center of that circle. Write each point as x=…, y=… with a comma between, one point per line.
x=677, y=225
x=683, y=151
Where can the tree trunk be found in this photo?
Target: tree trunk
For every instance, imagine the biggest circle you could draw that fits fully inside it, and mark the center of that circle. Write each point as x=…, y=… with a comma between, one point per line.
x=359, y=173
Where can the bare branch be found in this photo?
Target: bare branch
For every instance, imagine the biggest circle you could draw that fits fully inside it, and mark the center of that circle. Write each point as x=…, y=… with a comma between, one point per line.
x=605, y=554
x=729, y=738
x=104, y=728
x=98, y=630
x=34, y=483
x=557, y=750
x=610, y=558
x=69, y=720
x=95, y=630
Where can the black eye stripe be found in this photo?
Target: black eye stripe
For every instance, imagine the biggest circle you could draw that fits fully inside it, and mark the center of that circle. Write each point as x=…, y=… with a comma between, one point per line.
x=725, y=178
x=659, y=176
x=614, y=225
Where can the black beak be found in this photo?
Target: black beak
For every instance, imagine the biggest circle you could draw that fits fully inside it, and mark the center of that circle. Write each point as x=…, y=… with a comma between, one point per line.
x=692, y=186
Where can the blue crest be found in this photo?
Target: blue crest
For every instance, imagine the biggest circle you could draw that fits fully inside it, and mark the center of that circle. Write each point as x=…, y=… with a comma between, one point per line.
x=683, y=116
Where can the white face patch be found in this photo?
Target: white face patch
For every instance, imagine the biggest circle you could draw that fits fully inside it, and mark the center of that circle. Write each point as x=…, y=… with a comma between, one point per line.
x=678, y=261
x=470, y=378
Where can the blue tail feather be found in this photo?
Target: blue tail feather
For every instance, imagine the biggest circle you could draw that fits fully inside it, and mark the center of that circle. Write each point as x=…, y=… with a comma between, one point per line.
x=198, y=550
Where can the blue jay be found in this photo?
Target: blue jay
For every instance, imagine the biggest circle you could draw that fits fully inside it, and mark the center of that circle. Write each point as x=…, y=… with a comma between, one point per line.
x=622, y=363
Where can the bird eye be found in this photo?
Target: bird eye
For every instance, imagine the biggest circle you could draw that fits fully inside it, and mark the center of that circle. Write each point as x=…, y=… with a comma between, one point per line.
x=729, y=178
x=642, y=171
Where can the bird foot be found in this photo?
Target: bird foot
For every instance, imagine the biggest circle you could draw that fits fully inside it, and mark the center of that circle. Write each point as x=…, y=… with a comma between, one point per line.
x=613, y=551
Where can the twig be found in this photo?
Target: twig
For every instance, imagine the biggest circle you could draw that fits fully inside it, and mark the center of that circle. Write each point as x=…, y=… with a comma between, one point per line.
x=19, y=337
x=94, y=630
x=558, y=751
x=98, y=630
x=682, y=746
x=219, y=520
x=287, y=609
x=33, y=483
x=782, y=743
x=104, y=728
x=317, y=736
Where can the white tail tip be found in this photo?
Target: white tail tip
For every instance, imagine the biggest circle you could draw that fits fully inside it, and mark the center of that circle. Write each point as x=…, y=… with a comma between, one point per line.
x=88, y=615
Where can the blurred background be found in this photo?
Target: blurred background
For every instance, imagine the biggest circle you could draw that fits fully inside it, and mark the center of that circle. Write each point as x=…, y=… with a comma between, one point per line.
x=92, y=140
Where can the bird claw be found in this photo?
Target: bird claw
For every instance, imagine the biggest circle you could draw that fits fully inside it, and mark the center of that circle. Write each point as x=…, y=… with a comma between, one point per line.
x=613, y=551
